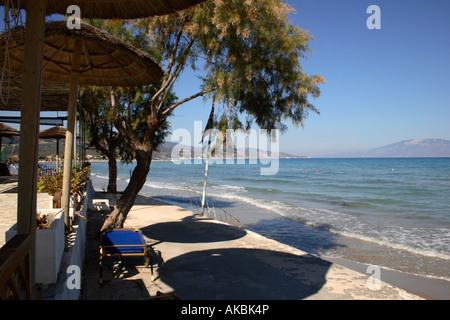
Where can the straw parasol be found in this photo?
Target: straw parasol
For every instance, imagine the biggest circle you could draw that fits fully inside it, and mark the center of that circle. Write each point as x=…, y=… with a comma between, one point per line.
x=54, y=95
x=105, y=60
x=124, y=9
x=85, y=56
x=7, y=131
x=57, y=133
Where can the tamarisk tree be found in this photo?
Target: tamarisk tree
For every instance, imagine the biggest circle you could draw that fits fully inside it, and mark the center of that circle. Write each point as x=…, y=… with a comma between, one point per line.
x=249, y=57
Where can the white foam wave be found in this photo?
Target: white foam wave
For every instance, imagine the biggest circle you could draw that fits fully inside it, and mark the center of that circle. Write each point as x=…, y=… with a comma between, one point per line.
x=398, y=246
x=97, y=176
x=167, y=186
x=335, y=222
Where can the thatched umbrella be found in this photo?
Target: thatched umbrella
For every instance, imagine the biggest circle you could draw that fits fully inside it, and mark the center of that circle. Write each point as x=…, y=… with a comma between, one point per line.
x=54, y=95
x=85, y=56
x=7, y=131
x=124, y=9
x=57, y=133
x=104, y=60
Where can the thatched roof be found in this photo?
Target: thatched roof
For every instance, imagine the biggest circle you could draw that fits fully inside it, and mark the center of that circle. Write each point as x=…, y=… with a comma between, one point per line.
x=105, y=60
x=54, y=95
x=56, y=132
x=123, y=9
x=7, y=131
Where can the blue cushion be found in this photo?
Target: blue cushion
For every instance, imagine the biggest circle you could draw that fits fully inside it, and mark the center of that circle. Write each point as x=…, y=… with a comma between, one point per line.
x=123, y=241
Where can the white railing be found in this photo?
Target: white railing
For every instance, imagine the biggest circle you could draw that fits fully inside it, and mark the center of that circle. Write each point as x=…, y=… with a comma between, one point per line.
x=211, y=210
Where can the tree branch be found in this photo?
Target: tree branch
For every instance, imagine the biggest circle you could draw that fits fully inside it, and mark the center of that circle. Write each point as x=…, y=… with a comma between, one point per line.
x=181, y=62
x=174, y=50
x=172, y=107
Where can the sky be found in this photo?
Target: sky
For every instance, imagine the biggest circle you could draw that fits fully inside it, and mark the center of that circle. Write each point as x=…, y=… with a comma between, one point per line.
x=381, y=85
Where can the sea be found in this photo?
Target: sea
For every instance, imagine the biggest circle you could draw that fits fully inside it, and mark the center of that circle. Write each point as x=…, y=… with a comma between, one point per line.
x=388, y=212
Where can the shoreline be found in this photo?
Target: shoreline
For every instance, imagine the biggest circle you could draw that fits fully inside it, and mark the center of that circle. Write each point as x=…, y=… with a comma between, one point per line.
x=207, y=259
x=429, y=288
x=423, y=286
x=266, y=222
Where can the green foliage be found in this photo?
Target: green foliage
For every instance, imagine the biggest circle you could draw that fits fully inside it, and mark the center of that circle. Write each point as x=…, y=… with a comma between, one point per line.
x=119, y=117
x=51, y=182
x=250, y=53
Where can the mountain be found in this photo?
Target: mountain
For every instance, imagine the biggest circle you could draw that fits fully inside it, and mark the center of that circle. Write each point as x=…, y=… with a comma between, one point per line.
x=406, y=148
x=164, y=152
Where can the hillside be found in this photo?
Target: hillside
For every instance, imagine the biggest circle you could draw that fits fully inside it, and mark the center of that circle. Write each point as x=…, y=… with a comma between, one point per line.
x=406, y=148
x=48, y=147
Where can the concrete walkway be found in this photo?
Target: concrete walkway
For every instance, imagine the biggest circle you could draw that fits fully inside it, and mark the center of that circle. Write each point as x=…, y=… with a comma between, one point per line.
x=198, y=258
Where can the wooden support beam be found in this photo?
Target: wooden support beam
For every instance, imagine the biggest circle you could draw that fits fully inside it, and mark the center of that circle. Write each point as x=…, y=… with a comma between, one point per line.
x=70, y=133
x=29, y=122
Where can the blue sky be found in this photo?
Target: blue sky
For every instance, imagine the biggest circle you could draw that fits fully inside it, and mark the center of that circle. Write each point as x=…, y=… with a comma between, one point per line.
x=382, y=86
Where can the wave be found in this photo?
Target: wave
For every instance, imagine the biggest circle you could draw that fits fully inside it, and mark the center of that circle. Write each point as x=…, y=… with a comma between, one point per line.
x=332, y=221
x=398, y=246
x=99, y=176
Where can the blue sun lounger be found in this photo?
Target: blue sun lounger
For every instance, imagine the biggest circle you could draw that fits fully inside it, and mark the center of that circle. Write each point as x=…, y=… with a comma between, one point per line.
x=124, y=243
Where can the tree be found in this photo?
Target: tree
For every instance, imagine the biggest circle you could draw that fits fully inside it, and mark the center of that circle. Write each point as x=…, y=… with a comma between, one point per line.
x=250, y=54
x=108, y=103
x=102, y=134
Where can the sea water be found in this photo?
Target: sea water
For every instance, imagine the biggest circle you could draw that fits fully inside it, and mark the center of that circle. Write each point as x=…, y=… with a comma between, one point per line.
x=392, y=212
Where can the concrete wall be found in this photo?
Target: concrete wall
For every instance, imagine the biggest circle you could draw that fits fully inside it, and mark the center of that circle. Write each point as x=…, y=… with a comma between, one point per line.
x=49, y=247
x=66, y=287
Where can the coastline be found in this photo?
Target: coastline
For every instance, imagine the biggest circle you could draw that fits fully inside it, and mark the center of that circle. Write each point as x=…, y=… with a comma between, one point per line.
x=424, y=286
x=200, y=258
x=148, y=213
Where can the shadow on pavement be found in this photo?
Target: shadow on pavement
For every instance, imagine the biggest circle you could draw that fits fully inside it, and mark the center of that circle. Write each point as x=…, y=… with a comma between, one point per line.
x=244, y=274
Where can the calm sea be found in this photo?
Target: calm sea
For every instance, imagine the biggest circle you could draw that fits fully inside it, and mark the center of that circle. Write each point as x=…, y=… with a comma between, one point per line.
x=393, y=213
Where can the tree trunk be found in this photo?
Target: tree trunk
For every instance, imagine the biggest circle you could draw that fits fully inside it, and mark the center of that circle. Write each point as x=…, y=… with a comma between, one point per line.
x=112, y=165
x=117, y=218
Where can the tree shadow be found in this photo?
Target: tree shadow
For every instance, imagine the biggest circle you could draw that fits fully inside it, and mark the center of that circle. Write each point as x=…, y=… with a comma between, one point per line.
x=244, y=274
x=192, y=230
x=120, y=275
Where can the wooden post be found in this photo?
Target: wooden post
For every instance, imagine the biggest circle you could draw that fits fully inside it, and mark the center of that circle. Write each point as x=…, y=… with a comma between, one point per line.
x=68, y=152
x=57, y=155
x=29, y=123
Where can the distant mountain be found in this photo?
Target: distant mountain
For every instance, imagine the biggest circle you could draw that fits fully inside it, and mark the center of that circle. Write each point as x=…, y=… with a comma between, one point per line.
x=406, y=148
x=165, y=152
